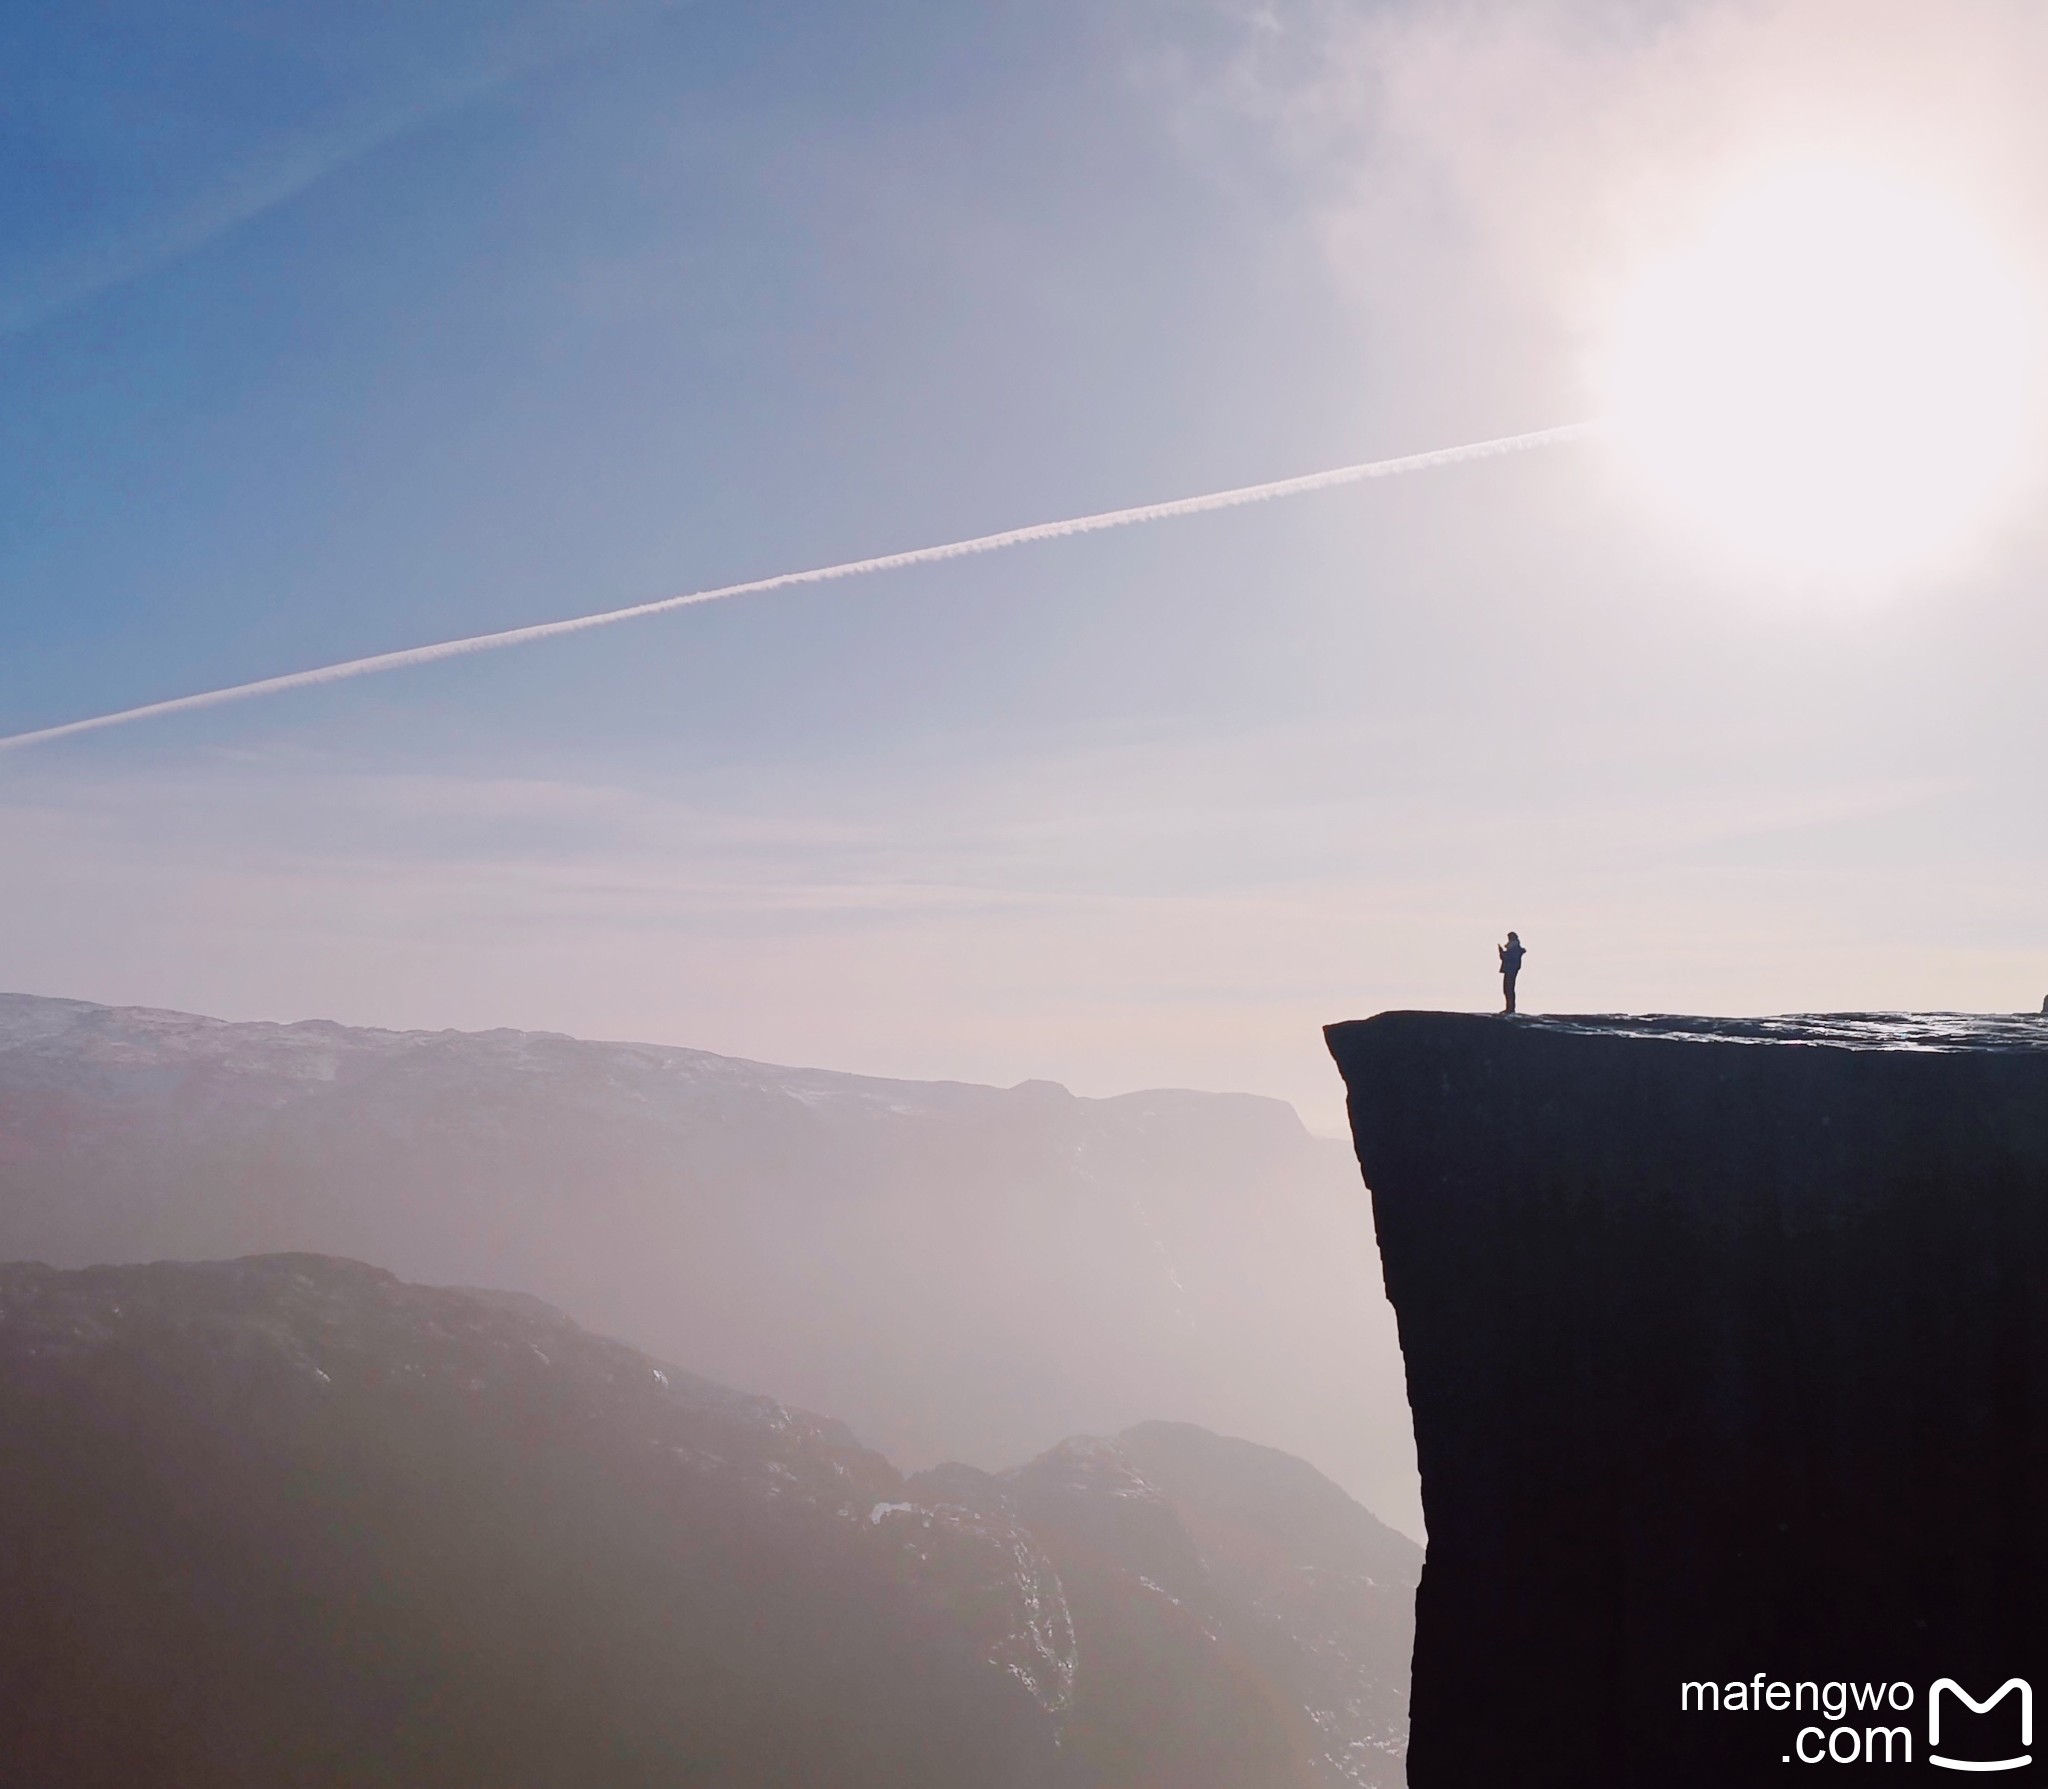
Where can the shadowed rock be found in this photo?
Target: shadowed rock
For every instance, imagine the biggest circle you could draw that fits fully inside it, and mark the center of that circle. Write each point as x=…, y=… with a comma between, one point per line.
x=1727, y=1343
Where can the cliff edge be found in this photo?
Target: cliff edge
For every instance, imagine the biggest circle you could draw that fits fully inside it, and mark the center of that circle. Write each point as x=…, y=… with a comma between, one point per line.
x=1727, y=1347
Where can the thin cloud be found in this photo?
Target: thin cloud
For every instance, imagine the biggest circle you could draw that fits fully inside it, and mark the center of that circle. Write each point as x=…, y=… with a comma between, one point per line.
x=958, y=549
x=61, y=282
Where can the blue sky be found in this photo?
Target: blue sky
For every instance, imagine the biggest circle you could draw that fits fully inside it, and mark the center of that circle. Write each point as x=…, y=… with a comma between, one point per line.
x=327, y=330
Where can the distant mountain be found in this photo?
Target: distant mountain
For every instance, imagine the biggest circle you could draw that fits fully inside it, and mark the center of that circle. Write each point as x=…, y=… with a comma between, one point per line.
x=961, y=1272
x=1207, y=1575
x=289, y=1521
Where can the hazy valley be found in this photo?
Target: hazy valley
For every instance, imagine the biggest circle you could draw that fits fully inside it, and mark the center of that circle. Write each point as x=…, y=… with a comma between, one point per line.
x=959, y=1272
x=268, y=1514
x=289, y=1520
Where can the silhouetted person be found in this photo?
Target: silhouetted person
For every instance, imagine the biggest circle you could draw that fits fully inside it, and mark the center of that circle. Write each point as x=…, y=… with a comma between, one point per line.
x=1511, y=955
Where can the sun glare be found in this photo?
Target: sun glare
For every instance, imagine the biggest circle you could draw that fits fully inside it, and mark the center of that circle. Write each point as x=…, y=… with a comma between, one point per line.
x=1837, y=376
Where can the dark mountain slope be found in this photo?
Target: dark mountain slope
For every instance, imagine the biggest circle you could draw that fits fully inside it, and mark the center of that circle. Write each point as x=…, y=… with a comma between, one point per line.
x=289, y=1521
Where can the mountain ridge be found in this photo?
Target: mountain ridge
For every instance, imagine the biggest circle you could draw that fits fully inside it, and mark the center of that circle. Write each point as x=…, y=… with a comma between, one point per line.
x=961, y=1272
x=291, y=1519
x=27, y=1020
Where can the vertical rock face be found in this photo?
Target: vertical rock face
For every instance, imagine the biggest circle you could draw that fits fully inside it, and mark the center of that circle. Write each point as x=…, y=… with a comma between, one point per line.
x=1727, y=1345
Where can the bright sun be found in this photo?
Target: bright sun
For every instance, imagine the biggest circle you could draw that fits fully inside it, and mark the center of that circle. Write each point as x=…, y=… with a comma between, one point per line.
x=1837, y=375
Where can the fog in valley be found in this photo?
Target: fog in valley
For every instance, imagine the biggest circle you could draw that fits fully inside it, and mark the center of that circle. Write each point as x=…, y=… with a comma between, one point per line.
x=958, y=1272
x=964, y=1433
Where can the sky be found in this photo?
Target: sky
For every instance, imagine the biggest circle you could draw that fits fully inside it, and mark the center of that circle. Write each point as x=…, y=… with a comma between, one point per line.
x=327, y=330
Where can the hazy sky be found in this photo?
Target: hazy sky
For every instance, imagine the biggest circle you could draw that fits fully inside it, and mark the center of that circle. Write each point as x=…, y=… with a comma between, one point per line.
x=327, y=329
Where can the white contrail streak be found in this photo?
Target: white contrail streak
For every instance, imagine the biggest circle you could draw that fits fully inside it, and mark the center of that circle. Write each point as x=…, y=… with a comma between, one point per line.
x=956, y=549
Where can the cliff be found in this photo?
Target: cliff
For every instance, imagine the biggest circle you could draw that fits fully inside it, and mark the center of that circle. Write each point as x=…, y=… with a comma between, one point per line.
x=1727, y=1348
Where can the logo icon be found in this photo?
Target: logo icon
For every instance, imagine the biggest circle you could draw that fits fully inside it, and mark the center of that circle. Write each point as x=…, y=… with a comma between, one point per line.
x=1990, y=1702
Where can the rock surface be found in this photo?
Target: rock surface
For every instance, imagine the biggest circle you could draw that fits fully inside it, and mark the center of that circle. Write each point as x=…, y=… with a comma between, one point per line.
x=290, y=1521
x=1727, y=1343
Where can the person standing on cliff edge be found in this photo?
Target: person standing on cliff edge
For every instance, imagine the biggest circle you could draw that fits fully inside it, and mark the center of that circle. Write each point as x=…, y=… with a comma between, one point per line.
x=1511, y=955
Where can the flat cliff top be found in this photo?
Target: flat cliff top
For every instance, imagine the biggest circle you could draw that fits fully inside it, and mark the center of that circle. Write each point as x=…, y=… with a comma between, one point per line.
x=1726, y=1339
x=1945, y=1032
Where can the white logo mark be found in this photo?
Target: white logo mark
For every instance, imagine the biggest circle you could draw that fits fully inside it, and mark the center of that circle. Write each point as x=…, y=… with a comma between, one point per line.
x=1969, y=1701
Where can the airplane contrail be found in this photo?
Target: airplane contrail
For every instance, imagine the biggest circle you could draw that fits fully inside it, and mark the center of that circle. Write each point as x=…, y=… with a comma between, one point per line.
x=956, y=549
